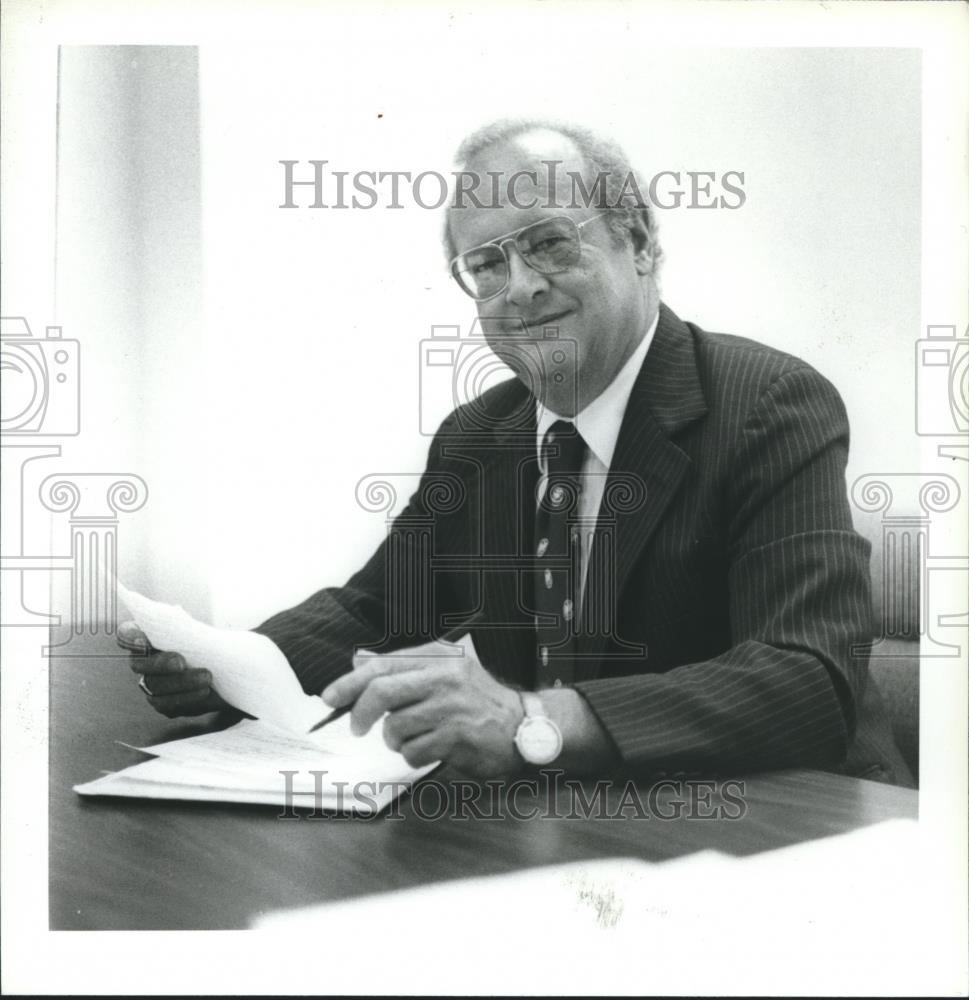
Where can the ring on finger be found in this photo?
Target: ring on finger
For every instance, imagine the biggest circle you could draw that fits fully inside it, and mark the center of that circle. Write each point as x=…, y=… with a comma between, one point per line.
x=144, y=686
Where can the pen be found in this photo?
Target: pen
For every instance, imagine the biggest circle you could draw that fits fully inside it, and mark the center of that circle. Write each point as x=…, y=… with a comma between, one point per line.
x=332, y=717
x=452, y=635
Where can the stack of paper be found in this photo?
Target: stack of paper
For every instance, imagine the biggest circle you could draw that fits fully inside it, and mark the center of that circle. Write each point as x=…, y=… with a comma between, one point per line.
x=255, y=762
x=280, y=757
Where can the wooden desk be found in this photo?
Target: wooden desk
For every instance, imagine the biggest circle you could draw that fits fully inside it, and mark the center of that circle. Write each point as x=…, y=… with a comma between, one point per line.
x=126, y=864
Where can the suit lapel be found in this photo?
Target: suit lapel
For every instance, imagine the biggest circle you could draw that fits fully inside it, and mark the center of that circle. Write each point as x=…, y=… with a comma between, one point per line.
x=509, y=473
x=646, y=472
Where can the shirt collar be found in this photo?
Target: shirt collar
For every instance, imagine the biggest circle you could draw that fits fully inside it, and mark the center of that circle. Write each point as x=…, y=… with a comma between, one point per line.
x=600, y=421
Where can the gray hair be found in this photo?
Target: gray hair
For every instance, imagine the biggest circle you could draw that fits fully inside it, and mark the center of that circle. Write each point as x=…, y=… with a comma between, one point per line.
x=604, y=159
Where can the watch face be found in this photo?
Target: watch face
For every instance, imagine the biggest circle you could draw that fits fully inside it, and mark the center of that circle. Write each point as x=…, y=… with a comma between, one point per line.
x=539, y=740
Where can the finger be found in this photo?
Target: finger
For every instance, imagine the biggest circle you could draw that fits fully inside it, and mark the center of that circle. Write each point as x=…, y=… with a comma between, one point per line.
x=130, y=636
x=187, y=703
x=415, y=657
x=426, y=749
x=405, y=659
x=408, y=723
x=159, y=663
x=347, y=689
x=389, y=693
x=184, y=682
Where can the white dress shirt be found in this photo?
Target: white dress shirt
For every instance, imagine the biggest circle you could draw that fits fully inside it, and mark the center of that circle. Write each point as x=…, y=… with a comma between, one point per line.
x=599, y=425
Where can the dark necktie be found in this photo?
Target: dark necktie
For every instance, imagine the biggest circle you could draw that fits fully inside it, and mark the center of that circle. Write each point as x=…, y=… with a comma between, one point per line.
x=558, y=555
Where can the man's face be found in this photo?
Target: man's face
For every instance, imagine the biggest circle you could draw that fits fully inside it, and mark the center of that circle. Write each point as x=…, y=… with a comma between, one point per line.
x=602, y=305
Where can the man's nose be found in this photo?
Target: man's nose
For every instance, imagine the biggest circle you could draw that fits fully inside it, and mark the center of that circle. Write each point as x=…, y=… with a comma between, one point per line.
x=524, y=282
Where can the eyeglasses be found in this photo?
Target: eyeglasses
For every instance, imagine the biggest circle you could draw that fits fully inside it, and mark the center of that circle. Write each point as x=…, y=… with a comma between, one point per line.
x=549, y=247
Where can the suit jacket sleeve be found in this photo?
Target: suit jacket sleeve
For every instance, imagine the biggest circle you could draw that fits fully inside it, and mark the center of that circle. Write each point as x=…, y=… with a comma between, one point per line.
x=785, y=692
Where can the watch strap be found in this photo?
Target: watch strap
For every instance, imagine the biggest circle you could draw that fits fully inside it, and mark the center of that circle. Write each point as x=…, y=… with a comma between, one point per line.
x=532, y=705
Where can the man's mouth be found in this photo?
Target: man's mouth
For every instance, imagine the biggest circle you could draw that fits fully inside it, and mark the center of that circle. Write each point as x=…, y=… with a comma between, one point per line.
x=549, y=320
x=519, y=328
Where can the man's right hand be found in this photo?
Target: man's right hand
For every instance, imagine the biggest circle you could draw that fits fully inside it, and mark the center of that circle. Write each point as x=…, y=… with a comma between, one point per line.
x=170, y=684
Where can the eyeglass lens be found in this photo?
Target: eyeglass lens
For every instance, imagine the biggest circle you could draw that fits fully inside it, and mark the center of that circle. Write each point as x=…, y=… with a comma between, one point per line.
x=549, y=246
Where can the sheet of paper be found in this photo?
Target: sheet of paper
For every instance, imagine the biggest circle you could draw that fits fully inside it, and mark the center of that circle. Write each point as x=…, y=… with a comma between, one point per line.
x=253, y=742
x=248, y=670
x=246, y=763
x=124, y=785
x=256, y=753
x=270, y=779
x=256, y=750
x=128, y=784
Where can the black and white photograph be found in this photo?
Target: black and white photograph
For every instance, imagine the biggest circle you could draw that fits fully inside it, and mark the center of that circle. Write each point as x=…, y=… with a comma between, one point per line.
x=484, y=498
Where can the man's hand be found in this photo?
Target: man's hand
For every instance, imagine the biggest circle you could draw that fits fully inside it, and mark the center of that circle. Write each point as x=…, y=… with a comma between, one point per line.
x=170, y=684
x=440, y=708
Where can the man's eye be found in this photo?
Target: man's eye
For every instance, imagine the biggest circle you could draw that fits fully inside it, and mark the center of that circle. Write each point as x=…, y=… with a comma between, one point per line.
x=483, y=267
x=546, y=244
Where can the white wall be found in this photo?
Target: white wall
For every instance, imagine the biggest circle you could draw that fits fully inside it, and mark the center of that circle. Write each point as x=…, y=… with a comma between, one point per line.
x=129, y=289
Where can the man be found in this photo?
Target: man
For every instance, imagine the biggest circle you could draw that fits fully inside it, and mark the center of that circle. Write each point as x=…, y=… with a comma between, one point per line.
x=698, y=602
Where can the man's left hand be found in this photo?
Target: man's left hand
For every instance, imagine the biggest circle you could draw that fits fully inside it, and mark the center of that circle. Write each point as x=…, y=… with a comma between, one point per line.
x=437, y=707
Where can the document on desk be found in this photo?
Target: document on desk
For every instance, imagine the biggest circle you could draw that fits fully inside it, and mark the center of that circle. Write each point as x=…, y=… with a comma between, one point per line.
x=256, y=762
x=248, y=670
x=278, y=758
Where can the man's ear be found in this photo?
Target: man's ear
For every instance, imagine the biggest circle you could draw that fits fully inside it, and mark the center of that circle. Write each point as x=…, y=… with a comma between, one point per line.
x=643, y=250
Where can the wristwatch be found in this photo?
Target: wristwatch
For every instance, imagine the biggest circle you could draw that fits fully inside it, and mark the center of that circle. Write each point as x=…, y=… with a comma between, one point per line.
x=539, y=739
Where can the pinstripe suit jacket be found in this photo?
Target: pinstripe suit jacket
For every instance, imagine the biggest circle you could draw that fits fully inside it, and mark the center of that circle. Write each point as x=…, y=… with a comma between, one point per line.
x=728, y=605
